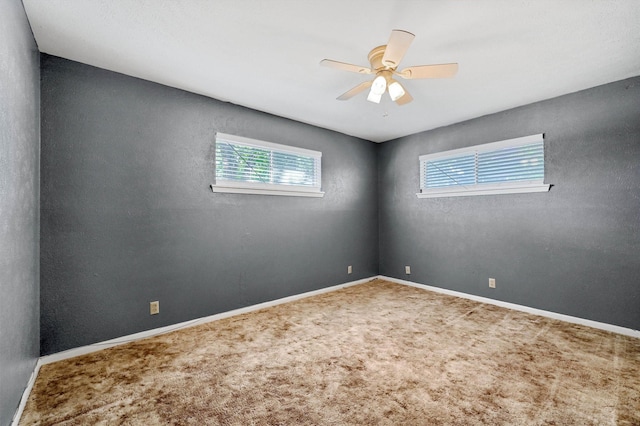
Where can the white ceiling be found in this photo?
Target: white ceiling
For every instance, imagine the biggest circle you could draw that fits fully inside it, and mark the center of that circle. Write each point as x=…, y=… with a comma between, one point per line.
x=265, y=54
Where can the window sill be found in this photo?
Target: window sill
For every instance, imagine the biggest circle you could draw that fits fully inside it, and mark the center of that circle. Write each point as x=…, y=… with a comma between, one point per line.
x=484, y=190
x=256, y=191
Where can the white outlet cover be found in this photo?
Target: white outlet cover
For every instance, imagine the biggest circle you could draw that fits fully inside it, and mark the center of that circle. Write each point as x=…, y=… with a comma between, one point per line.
x=349, y=269
x=407, y=270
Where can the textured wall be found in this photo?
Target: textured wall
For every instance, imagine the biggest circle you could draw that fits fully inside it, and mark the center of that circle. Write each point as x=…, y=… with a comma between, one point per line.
x=128, y=216
x=19, y=198
x=573, y=250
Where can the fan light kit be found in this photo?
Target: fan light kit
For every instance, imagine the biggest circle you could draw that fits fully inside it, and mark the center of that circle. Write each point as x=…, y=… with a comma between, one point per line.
x=384, y=62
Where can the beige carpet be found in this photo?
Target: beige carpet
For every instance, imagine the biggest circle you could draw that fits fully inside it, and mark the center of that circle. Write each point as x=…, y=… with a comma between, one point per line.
x=373, y=354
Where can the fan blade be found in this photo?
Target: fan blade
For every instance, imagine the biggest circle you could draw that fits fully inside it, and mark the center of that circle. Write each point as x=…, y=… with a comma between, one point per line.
x=405, y=99
x=429, y=71
x=396, y=47
x=351, y=93
x=344, y=66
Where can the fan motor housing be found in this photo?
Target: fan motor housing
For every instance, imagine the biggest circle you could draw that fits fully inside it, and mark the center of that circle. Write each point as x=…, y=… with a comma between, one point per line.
x=375, y=58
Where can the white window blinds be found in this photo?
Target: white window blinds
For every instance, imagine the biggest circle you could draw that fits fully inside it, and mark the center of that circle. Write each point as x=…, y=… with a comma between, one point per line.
x=448, y=171
x=262, y=167
x=519, y=163
x=514, y=165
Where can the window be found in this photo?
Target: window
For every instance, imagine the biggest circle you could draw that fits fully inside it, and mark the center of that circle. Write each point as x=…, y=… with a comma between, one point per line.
x=510, y=166
x=251, y=166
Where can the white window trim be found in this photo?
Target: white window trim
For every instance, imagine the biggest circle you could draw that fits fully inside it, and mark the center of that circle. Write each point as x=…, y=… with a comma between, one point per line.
x=263, y=191
x=488, y=189
x=235, y=187
x=483, y=189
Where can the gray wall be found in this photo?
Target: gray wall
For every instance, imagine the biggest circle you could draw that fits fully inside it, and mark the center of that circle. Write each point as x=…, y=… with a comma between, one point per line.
x=128, y=216
x=574, y=250
x=19, y=200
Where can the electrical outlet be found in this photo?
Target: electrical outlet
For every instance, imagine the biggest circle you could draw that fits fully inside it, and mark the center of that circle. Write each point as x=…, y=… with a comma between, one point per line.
x=349, y=269
x=492, y=282
x=154, y=308
x=407, y=270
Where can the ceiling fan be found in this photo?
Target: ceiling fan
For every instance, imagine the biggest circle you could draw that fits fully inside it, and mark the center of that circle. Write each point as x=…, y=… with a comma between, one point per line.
x=384, y=62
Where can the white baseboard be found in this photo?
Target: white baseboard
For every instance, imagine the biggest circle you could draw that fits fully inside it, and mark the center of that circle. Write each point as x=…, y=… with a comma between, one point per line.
x=567, y=318
x=59, y=356
x=25, y=394
x=162, y=330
